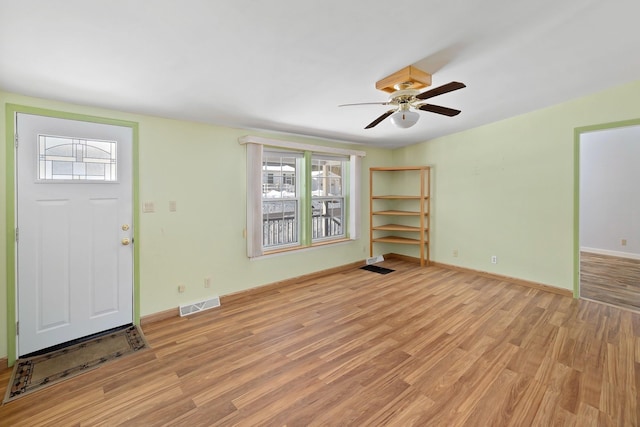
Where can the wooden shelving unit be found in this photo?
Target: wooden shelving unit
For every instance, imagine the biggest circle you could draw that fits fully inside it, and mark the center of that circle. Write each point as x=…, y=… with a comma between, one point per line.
x=402, y=218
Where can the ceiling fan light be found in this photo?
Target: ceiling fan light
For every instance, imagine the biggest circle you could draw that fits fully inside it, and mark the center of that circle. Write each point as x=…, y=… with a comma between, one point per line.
x=404, y=119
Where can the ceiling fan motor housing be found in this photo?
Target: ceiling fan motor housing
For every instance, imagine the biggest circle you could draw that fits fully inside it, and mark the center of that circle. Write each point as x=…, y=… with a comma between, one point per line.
x=403, y=96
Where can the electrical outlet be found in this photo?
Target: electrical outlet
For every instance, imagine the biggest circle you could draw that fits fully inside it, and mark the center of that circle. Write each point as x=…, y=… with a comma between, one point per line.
x=455, y=252
x=623, y=242
x=207, y=282
x=494, y=259
x=181, y=288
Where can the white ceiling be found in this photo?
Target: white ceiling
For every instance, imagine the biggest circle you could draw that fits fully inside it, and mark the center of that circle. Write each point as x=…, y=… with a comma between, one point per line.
x=285, y=65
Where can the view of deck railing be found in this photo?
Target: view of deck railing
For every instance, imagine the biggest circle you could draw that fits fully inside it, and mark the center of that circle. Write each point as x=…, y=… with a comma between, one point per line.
x=281, y=228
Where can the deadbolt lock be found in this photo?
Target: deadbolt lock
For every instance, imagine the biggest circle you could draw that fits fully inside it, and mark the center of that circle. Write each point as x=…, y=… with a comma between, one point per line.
x=125, y=227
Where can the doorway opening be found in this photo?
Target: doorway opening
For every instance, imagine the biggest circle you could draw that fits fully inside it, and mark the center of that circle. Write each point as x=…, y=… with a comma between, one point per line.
x=608, y=249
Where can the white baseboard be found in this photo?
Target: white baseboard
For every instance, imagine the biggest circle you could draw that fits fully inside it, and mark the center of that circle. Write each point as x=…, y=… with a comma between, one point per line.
x=610, y=253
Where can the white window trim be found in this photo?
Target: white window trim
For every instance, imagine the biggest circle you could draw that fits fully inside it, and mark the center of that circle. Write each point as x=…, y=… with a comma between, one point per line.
x=254, y=204
x=249, y=139
x=254, y=185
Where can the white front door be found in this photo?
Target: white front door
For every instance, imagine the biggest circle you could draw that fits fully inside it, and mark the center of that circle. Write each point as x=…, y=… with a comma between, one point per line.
x=74, y=226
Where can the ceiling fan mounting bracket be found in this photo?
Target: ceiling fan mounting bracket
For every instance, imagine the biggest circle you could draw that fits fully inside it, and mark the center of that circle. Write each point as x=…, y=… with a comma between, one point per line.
x=406, y=78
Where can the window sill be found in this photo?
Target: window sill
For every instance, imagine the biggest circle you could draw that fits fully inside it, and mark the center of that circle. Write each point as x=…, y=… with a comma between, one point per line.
x=303, y=248
x=330, y=242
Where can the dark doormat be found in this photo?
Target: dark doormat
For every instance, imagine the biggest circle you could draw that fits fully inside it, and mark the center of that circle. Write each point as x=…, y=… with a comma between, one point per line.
x=377, y=269
x=34, y=373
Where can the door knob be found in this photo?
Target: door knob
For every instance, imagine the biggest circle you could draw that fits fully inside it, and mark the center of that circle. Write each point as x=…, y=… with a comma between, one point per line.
x=126, y=241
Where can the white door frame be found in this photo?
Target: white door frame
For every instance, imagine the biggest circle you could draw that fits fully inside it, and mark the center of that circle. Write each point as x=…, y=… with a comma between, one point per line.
x=12, y=300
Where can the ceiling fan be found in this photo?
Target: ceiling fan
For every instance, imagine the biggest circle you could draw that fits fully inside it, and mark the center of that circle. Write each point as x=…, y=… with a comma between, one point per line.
x=405, y=97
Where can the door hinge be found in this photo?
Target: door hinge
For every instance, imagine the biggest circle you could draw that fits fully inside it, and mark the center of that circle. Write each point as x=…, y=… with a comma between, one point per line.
x=15, y=138
x=17, y=234
x=17, y=328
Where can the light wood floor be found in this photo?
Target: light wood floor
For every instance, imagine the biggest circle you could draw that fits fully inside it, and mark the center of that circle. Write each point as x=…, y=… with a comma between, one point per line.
x=610, y=279
x=420, y=346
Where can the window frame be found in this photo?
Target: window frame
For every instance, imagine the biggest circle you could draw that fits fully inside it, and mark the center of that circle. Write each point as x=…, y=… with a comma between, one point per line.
x=352, y=161
x=297, y=200
x=326, y=198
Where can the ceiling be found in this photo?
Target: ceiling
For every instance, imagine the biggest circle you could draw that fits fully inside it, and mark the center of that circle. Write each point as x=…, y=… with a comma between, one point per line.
x=286, y=65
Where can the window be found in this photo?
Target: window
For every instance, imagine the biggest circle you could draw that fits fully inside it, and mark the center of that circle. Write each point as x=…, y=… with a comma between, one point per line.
x=62, y=158
x=299, y=195
x=286, y=207
x=327, y=197
x=280, y=199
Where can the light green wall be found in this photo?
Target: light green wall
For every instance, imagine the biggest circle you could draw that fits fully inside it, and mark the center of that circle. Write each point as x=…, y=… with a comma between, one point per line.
x=202, y=168
x=503, y=189
x=507, y=188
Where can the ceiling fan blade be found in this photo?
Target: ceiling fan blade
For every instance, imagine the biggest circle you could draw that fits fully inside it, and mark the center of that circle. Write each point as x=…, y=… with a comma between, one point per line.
x=438, y=109
x=379, y=119
x=449, y=87
x=365, y=103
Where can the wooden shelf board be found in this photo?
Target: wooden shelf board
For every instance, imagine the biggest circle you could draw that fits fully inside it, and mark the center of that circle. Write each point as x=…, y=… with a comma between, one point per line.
x=398, y=227
x=393, y=196
x=400, y=168
x=398, y=213
x=396, y=239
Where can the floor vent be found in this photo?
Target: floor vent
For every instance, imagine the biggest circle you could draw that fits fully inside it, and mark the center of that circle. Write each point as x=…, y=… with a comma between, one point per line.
x=199, y=306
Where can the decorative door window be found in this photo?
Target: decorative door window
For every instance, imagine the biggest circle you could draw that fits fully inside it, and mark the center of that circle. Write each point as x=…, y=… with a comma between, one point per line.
x=65, y=159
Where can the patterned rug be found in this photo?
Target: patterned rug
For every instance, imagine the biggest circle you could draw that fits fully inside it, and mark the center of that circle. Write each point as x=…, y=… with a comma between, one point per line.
x=34, y=373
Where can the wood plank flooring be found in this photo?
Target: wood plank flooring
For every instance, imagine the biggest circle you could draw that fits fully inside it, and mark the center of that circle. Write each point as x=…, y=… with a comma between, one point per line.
x=610, y=279
x=420, y=346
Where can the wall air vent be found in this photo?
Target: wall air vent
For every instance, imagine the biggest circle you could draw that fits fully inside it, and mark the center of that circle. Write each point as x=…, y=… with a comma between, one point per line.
x=199, y=306
x=374, y=259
